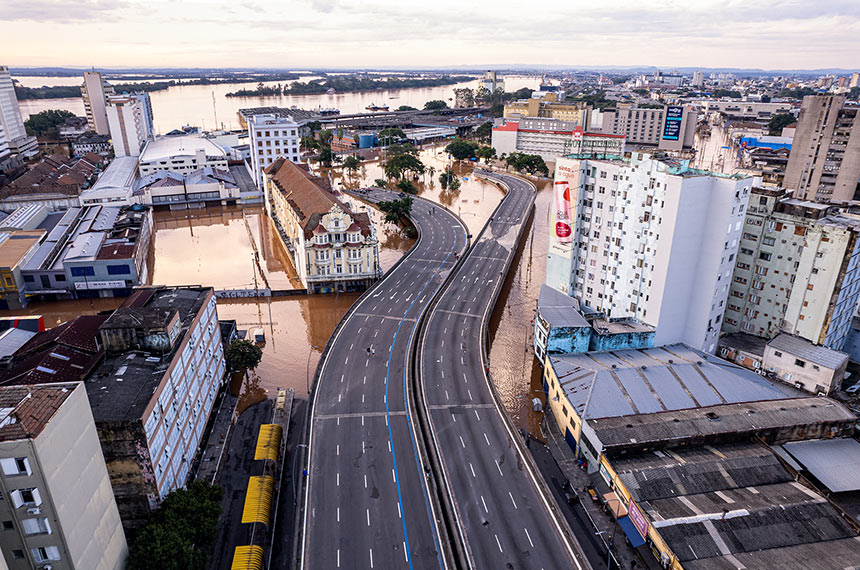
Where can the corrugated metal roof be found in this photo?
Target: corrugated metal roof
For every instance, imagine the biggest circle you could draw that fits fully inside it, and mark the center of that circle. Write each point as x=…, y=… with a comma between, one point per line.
x=247, y=558
x=558, y=309
x=834, y=462
x=804, y=349
x=268, y=442
x=258, y=500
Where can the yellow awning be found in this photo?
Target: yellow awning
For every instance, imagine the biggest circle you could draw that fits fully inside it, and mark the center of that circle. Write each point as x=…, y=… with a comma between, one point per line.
x=247, y=558
x=258, y=500
x=268, y=442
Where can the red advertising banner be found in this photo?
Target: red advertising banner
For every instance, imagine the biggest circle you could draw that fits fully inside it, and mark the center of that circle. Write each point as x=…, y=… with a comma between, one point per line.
x=563, y=229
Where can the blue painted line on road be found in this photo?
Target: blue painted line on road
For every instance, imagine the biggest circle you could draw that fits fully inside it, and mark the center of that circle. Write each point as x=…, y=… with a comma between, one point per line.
x=390, y=434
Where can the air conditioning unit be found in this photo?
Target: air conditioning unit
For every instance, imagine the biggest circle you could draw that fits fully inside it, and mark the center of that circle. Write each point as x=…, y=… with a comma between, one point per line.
x=34, y=511
x=47, y=567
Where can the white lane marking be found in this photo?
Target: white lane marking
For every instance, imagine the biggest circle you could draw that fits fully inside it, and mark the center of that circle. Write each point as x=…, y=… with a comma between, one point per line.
x=338, y=397
x=486, y=510
x=393, y=478
x=470, y=393
x=443, y=344
x=365, y=481
x=338, y=514
x=346, y=361
x=338, y=557
x=405, y=555
x=371, y=554
x=529, y=537
x=389, y=446
x=337, y=449
x=477, y=416
x=341, y=378
x=364, y=380
x=499, y=544
x=338, y=478
x=376, y=332
x=368, y=517
x=446, y=395
x=362, y=443
x=362, y=398
x=499, y=467
x=442, y=371
x=350, y=346
x=512, y=499
x=466, y=380
x=487, y=439
x=463, y=443
x=472, y=469
x=399, y=512
x=366, y=362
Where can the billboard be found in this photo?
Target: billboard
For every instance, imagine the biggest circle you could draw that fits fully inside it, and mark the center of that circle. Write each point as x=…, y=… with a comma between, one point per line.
x=672, y=126
x=559, y=264
x=637, y=518
x=561, y=202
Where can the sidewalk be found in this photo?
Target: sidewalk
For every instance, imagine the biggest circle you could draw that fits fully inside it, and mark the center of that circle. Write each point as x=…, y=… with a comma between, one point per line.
x=219, y=437
x=597, y=519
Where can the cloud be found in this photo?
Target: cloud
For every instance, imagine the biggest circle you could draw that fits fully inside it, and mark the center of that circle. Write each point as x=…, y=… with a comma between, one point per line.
x=58, y=10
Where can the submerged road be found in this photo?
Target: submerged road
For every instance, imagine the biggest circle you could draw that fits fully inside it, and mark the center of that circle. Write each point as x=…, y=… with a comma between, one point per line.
x=366, y=501
x=505, y=517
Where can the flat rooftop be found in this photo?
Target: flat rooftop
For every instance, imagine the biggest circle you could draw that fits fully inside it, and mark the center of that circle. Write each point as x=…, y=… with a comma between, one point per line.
x=716, y=505
x=26, y=410
x=164, y=148
x=123, y=385
x=746, y=342
x=558, y=309
x=644, y=381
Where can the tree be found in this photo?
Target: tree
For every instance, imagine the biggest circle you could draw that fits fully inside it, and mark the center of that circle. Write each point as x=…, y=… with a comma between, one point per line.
x=485, y=131
x=392, y=133
x=530, y=163
x=340, y=132
x=380, y=183
x=435, y=105
x=486, y=152
x=242, y=355
x=407, y=186
x=449, y=180
x=45, y=123
x=325, y=137
x=351, y=164
x=308, y=143
x=396, y=210
x=778, y=122
x=181, y=533
x=396, y=149
x=400, y=164
x=461, y=149
x=406, y=108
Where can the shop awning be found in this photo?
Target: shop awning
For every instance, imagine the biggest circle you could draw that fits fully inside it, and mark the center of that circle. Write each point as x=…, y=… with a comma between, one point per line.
x=268, y=442
x=258, y=500
x=247, y=558
x=632, y=533
x=615, y=505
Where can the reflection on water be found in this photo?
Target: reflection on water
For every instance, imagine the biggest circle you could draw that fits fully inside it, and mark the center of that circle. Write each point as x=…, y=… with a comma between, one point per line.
x=252, y=391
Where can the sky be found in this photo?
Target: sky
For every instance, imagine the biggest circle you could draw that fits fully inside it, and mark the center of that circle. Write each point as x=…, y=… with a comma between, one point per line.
x=300, y=34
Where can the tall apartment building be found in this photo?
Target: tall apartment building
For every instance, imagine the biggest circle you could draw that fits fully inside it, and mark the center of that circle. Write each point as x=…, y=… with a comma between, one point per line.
x=650, y=239
x=578, y=112
x=95, y=91
x=152, y=395
x=331, y=247
x=130, y=122
x=12, y=131
x=797, y=270
x=824, y=164
x=551, y=138
x=491, y=82
x=58, y=510
x=668, y=128
x=272, y=136
x=698, y=79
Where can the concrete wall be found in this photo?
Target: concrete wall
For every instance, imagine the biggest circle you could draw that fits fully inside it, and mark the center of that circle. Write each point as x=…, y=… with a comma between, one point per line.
x=808, y=376
x=621, y=341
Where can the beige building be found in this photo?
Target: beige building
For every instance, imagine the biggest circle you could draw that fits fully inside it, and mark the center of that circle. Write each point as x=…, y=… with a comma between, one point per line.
x=59, y=511
x=824, y=164
x=331, y=247
x=797, y=271
x=669, y=128
x=16, y=249
x=95, y=91
x=796, y=361
x=578, y=113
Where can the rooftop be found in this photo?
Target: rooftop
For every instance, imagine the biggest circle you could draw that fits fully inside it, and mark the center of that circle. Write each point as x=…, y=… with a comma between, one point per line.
x=834, y=462
x=644, y=381
x=16, y=244
x=802, y=348
x=619, y=326
x=119, y=175
x=26, y=410
x=558, y=309
x=745, y=342
x=123, y=385
x=164, y=148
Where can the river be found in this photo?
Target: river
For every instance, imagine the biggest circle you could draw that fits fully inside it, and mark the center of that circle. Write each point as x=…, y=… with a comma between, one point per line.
x=201, y=105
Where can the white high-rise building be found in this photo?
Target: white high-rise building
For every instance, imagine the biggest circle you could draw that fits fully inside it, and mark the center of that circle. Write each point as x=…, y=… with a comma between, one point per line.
x=272, y=136
x=130, y=122
x=95, y=91
x=649, y=239
x=698, y=79
x=12, y=132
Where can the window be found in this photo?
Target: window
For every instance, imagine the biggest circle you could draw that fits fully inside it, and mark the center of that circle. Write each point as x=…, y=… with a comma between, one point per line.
x=15, y=466
x=25, y=497
x=777, y=353
x=8, y=525
x=765, y=256
x=29, y=279
x=799, y=362
x=36, y=526
x=83, y=271
x=45, y=554
x=17, y=553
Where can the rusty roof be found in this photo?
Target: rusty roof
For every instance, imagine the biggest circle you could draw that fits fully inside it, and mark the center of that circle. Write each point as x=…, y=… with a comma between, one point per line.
x=27, y=409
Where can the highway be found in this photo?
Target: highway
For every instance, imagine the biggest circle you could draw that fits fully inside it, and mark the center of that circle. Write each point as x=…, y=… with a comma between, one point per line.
x=505, y=518
x=366, y=502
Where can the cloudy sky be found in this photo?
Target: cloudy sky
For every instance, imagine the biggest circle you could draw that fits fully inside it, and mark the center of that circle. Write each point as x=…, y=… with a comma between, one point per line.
x=769, y=34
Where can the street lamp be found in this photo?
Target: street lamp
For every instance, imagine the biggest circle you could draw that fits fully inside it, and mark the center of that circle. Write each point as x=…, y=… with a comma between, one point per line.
x=308, y=369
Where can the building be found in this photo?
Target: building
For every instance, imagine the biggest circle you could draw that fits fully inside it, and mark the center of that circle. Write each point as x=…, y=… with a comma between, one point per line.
x=331, y=247
x=796, y=361
x=824, y=164
x=464, y=98
x=797, y=270
x=182, y=154
x=16, y=248
x=648, y=238
x=698, y=79
x=668, y=128
x=91, y=251
x=272, y=136
x=130, y=122
x=491, y=82
x=57, y=181
x=552, y=138
x=152, y=395
x=73, y=127
x=12, y=132
x=577, y=113
x=59, y=510
x=91, y=143
x=115, y=186
x=95, y=91
x=194, y=189
x=752, y=111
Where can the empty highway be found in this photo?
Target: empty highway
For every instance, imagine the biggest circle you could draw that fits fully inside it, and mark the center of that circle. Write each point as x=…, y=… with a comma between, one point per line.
x=366, y=502
x=505, y=518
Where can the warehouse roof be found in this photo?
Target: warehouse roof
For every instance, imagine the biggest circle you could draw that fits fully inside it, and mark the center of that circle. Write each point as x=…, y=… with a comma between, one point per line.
x=834, y=462
x=558, y=309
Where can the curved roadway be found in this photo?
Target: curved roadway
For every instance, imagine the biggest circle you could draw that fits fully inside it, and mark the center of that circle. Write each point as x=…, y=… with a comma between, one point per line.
x=366, y=503
x=505, y=518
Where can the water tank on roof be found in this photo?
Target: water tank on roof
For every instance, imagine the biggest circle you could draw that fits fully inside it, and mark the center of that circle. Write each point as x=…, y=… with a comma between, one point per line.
x=366, y=140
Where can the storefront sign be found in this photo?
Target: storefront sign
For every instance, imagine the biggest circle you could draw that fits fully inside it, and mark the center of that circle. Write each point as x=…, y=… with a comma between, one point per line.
x=89, y=285
x=638, y=519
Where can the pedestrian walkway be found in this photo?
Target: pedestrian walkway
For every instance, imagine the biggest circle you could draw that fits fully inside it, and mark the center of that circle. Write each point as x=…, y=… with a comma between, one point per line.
x=603, y=525
x=219, y=436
